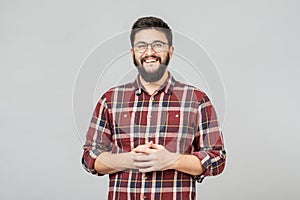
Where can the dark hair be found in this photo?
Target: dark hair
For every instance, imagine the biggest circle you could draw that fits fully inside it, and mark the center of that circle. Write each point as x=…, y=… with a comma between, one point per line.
x=151, y=23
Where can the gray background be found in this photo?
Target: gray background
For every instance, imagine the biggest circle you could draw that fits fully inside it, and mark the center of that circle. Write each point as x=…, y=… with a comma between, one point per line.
x=43, y=43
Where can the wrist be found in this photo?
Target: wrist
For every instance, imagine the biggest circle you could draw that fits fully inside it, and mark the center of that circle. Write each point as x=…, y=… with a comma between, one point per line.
x=127, y=159
x=174, y=164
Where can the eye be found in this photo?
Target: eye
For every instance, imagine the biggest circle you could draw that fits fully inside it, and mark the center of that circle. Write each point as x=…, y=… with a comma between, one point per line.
x=141, y=46
x=157, y=45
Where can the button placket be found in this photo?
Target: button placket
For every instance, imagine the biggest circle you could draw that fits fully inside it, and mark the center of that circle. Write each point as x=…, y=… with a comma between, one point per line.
x=149, y=115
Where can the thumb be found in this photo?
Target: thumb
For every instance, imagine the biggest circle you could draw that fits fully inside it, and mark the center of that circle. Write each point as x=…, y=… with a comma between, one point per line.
x=154, y=146
x=148, y=144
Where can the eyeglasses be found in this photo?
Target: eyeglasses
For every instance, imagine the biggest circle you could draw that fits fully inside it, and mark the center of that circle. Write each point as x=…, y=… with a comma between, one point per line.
x=157, y=46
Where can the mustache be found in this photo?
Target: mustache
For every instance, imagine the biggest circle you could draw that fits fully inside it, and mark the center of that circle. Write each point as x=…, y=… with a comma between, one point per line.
x=155, y=57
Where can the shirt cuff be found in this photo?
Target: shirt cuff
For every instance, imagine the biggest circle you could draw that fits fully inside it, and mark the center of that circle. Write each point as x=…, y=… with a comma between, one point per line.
x=206, y=164
x=88, y=163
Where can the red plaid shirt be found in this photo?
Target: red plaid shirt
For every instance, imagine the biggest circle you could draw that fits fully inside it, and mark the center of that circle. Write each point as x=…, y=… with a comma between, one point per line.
x=178, y=116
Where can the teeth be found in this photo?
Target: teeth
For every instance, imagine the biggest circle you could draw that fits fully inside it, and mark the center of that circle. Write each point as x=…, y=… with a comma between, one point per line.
x=148, y=61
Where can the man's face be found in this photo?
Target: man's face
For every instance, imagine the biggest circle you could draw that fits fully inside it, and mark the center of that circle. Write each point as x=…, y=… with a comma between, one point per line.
x=150, y=63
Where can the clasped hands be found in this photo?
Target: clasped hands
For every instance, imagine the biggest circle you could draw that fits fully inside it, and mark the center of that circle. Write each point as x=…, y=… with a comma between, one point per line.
x=153, y=157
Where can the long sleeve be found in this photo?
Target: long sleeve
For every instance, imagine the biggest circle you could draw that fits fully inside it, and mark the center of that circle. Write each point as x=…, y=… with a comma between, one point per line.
x=98, y=137
x=208, y=143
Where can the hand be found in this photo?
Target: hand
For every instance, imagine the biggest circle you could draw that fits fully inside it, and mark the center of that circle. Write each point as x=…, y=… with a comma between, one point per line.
x=115, y=162
x=143, y=148
x=153, y=157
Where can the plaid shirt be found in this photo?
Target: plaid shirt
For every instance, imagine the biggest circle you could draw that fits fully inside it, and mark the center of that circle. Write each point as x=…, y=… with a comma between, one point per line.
x=178, y=116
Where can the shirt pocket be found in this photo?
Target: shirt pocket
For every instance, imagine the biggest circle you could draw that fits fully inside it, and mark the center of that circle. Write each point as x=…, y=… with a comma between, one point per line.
x=122, y=137
x=178, y=134
x=129, y=133
x=122, y=122
x=173, y=121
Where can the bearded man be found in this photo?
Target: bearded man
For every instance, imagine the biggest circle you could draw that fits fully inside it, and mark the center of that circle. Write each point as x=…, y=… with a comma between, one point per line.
x=155, y=137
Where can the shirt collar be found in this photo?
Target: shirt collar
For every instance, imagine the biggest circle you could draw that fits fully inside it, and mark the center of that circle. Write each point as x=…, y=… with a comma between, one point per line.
x=167, y=86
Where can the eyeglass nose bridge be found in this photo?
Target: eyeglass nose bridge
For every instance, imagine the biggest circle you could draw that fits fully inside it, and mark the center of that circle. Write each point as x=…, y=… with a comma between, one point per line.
x=151, y=47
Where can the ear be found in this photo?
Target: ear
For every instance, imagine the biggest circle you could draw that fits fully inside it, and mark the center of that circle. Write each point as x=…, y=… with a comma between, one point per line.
x=132, y=51
x=171, y=51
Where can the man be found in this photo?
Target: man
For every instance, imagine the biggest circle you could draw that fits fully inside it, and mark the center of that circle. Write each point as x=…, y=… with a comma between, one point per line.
x=155, y=137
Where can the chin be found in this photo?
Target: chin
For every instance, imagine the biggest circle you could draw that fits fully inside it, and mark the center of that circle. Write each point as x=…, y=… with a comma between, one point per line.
x=151, y=68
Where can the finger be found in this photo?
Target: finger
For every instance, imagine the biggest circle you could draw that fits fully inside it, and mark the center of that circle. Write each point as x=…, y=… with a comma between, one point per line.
x=140, y=148
x=144, y=150
x=141, y=158
x=155, y=146
x=151, y=151
x=148, y=144
x=148, y=169
x=142, y=165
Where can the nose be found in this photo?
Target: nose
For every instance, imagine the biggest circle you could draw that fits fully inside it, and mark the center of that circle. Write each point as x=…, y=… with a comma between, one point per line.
x=149, y=50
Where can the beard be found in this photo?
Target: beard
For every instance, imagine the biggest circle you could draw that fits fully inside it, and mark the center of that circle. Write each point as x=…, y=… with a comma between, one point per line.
x=155, y=75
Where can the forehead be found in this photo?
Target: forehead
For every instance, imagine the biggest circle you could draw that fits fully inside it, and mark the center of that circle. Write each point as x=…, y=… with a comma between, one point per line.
x=150, y=35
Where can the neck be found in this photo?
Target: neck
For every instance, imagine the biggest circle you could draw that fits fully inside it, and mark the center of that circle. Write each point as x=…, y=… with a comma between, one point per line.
x=151, y=87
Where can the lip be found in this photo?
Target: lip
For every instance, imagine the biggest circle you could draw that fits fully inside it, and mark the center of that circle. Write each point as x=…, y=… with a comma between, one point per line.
x=150, y=59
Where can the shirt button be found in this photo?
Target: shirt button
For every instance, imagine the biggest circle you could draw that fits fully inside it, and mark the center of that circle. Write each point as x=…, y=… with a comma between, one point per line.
x=149, y=116
x=144, y=197
x=145, y=177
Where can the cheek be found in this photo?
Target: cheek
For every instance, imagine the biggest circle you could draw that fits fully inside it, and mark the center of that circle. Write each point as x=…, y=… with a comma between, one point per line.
x=137, y=57
x=164, y=57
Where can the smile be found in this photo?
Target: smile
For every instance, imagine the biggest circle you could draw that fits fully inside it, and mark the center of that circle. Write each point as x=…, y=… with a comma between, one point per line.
x=150, y=60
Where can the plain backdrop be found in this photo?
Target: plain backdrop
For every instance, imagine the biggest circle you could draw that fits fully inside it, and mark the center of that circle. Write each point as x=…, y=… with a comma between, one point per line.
x=255, y=45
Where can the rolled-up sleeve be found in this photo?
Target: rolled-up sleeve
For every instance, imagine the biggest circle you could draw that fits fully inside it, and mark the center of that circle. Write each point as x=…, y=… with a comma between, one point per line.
x=208, y=143
x=98, y=137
